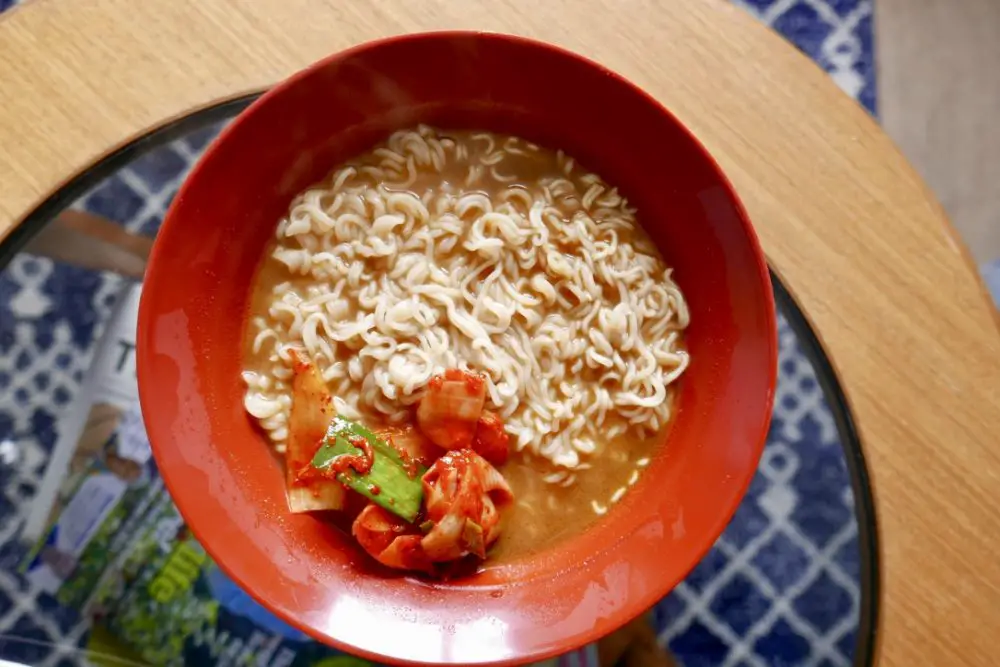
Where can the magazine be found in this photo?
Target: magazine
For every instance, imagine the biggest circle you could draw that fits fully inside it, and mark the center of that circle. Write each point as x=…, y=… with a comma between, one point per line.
x=98, y=473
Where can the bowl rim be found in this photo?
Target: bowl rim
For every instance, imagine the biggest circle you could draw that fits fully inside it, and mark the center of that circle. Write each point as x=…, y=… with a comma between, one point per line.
x=636, y=604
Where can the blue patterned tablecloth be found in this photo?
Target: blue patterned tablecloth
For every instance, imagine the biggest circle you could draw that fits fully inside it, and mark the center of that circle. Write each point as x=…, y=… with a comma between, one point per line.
x=779, y=588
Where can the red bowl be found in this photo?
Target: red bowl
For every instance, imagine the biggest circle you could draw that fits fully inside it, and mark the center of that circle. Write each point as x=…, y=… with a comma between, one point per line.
x=229, y=486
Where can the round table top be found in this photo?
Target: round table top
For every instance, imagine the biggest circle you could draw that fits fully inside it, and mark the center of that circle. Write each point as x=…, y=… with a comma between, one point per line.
x=845, y=221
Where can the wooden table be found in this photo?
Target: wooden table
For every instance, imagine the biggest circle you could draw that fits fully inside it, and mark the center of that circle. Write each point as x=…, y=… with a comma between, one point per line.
x=847, y=224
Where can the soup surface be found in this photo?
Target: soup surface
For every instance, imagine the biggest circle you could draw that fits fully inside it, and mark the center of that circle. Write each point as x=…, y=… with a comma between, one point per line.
x=482, y=252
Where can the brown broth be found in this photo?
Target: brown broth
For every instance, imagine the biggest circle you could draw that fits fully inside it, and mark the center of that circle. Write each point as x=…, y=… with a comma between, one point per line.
x=545, y=514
